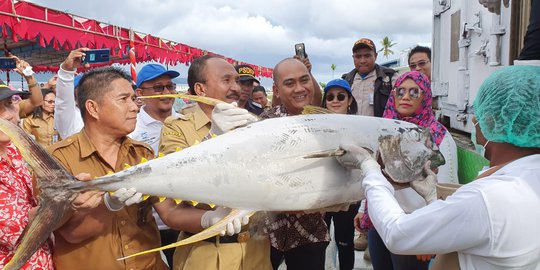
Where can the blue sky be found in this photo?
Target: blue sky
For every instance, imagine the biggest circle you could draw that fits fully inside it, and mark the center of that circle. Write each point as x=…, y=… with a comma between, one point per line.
x=264, y=32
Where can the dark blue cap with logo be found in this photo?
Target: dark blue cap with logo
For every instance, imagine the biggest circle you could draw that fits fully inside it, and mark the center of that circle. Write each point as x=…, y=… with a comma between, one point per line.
x=152, y=71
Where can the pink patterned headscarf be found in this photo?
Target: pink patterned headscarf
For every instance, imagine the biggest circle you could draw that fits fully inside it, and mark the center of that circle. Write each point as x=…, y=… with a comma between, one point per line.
x=424, y=116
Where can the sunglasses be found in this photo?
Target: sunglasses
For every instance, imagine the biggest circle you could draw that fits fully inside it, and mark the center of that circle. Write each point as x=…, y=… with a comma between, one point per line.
x=340, y=97
x=420, y=64
x=414, y=93
x=160, y=88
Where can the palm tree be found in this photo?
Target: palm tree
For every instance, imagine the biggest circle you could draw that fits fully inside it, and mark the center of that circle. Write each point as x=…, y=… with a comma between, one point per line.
x=386, y=45
x=333, y=67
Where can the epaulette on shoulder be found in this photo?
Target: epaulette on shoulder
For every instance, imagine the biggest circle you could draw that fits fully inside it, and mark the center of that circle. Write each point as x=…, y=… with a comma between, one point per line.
x=61, y=144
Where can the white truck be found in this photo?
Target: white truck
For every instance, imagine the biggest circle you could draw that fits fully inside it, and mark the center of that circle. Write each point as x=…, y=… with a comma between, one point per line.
x=469, y=43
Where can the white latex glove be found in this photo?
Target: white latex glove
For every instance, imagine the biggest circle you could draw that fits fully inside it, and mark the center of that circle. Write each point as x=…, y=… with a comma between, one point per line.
x=210, y=218
x=122, y=197
x=227, y=116
x=494, y=5
x=426, y=187
x=357, y=157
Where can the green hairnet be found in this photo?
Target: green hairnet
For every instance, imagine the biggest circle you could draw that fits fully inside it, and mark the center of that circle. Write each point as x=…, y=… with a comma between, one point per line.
x=507, y=106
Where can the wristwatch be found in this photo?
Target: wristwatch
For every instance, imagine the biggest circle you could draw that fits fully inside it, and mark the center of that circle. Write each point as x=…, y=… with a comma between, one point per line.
x=27, y=72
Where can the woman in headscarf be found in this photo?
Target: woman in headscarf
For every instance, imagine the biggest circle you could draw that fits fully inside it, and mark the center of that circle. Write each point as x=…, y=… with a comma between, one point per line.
x=410, y=101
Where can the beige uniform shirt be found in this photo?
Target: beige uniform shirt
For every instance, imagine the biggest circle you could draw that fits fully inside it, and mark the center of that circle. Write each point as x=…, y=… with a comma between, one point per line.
x=181, y=132
x=363, y=90
x=125, y=235
x=42, y=129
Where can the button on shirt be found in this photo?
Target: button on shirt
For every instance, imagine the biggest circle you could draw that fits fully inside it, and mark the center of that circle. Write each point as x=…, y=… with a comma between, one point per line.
x=148, y=129
x=124, y=235
x=363, y=91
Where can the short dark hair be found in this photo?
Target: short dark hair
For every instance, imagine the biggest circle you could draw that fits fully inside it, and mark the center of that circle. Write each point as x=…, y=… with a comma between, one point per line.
x=419, y=49
x=195, y=72
x=259, y=88
x=38, y=111
x=276, y=68
x=96, y=83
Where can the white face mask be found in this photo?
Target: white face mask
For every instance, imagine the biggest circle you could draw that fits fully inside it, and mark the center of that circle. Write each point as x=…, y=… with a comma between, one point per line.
x=480, y=149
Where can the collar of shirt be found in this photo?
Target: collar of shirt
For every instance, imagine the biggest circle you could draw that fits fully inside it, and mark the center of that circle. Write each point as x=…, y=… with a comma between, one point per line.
x=87, y=147
x=146, y=119
x=199, y=118
x=522, y=164
x=357, y=76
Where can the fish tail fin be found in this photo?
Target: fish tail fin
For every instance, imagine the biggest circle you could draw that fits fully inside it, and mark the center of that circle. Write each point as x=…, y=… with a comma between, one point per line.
x=53, y=199
x=205, y=234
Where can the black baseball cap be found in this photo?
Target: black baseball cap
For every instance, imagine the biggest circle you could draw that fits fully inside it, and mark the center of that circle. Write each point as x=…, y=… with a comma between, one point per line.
x=246, y=73
x=6, y=92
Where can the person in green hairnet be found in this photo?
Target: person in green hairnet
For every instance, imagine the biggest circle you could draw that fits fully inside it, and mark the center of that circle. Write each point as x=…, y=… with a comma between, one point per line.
x=492, y=223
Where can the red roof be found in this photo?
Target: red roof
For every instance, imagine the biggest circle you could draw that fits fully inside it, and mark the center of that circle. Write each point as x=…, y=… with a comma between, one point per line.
x=44, y=37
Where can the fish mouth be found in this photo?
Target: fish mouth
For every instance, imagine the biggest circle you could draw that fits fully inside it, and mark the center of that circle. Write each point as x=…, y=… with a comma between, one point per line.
x=405, y=155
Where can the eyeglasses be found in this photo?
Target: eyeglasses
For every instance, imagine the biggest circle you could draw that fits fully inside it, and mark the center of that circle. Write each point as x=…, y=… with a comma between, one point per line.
x=160, y=88
x=340, y=97
x=50, y=102
x=421, y=64
x=15, y=99
x=414, y=93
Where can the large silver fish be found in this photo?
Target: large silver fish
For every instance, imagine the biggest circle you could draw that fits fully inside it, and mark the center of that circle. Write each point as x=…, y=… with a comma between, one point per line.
x=270, y=165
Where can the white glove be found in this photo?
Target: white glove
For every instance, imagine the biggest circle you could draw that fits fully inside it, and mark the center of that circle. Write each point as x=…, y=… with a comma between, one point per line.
x=357, y=157
x=426, y=187
x=227, y=116
x=210, y=218
x=122, y=197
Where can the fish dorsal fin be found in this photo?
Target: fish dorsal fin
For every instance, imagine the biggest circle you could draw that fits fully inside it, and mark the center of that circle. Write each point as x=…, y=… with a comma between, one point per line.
x=201, y=99
x=310, y=109
x=204, y=234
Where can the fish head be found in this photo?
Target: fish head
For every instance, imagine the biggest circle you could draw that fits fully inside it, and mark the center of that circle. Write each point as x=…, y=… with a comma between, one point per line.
x=403, y=156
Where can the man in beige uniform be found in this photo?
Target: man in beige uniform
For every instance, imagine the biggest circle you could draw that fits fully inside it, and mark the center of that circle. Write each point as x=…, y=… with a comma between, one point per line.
x=96, y=238
x=216, y=78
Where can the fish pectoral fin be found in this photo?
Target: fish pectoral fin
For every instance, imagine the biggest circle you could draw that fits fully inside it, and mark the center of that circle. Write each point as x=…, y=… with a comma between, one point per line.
x=326, y=153
x=310, y=109
x=211, y=231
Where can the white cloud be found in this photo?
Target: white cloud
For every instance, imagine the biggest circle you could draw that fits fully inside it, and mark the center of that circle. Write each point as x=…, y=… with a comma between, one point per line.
x=264, y=32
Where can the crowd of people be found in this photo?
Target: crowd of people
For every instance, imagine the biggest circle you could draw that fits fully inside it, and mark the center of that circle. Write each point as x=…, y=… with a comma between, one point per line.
x=93, y=124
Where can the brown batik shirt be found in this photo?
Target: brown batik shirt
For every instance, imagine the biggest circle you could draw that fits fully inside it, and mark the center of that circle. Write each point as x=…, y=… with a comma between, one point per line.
x=288, y=231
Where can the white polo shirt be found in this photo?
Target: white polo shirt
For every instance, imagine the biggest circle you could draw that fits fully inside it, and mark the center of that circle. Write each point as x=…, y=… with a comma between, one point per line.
x=148, y=129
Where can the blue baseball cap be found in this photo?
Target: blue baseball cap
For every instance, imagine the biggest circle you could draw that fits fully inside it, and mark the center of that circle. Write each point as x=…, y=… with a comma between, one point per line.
x=343, y=84
x=76, y=80
x=152, y=71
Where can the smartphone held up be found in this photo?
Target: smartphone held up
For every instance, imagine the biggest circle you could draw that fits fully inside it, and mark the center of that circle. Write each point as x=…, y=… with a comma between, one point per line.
x=300, y=50
x=96, y=56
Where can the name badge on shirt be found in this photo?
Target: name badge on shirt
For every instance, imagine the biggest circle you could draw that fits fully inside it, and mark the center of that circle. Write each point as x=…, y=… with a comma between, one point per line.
x=370, y=99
